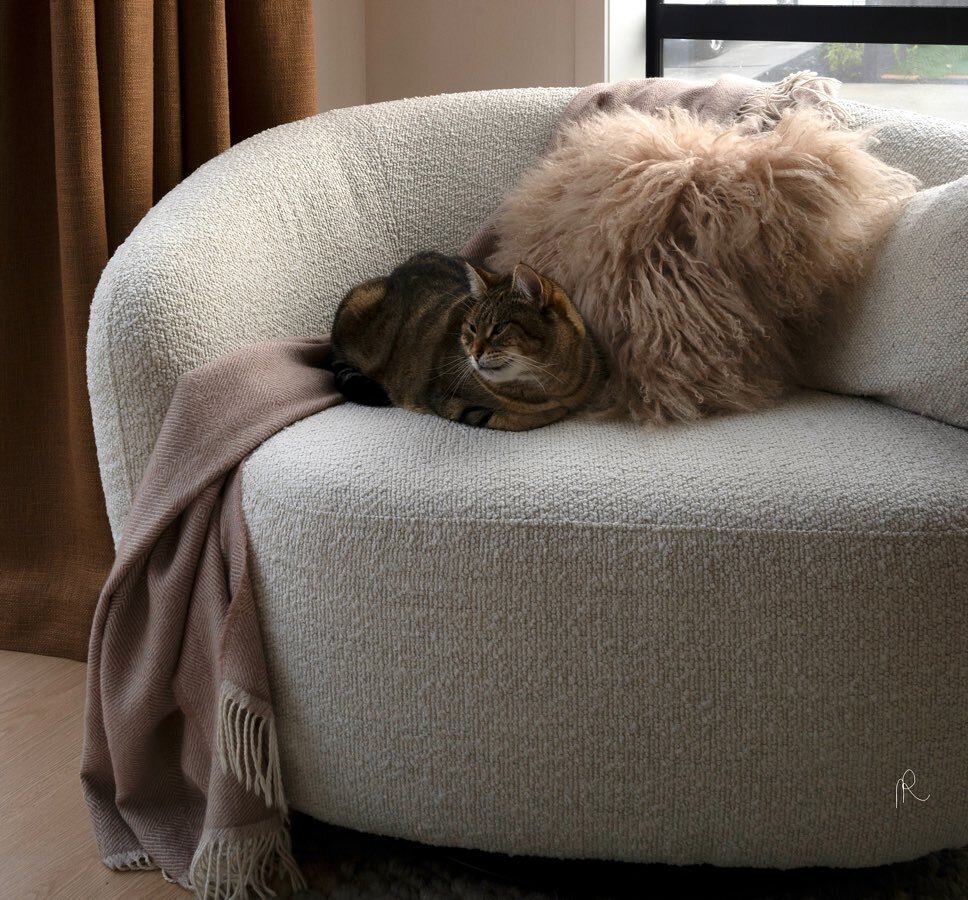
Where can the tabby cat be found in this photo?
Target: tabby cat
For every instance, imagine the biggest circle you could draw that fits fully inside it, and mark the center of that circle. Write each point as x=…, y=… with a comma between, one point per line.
x=438, y=335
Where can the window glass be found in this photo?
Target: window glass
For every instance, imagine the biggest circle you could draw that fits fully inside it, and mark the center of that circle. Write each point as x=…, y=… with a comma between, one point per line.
x=929, y=79
x=822, y=2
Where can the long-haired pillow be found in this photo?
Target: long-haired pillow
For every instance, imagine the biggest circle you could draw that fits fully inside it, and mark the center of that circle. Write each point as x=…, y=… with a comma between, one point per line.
x=696, y=252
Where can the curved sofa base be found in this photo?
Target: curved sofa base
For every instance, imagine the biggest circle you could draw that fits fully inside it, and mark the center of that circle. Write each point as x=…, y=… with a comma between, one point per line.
x=702, y=653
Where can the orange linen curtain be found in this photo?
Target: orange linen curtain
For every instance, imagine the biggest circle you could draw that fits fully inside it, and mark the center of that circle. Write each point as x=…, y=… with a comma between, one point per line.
x=105, y=105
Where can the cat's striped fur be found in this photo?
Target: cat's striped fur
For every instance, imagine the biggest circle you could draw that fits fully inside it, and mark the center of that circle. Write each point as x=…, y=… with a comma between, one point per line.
x=437, y=335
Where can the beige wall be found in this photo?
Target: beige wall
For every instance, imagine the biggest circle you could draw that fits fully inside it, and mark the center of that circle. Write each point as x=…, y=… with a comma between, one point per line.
x=340, y=53
x=420, y=47
x=372, y=50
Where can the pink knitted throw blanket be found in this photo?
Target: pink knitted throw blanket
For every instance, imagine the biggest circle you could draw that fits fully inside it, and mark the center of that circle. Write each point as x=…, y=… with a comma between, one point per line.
x=180, y=767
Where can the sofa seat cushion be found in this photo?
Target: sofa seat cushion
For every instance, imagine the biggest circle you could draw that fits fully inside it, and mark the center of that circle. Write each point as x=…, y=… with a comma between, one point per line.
x=598, y=640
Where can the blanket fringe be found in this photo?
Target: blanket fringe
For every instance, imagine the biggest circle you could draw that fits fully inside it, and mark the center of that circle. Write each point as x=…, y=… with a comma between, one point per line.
x=131, y=861
x=248, y=746
x=232, y=866
x=763, y=109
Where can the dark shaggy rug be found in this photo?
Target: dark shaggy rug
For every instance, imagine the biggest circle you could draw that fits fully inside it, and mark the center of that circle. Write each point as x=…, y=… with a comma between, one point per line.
x=346, y=865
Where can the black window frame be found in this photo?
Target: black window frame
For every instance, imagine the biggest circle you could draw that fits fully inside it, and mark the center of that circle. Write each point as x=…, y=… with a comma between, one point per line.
x=841, y=24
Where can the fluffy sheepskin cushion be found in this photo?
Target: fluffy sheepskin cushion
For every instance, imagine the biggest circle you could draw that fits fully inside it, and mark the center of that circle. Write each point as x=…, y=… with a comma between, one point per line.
x=696, y=252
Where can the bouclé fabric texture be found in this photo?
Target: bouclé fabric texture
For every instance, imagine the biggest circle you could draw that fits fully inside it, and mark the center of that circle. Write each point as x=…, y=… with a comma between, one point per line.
x=904, y=337
x=681, y=635
x=697, y=251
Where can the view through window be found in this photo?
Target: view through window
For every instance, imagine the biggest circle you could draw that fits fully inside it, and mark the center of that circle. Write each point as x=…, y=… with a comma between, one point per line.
x=920, y=74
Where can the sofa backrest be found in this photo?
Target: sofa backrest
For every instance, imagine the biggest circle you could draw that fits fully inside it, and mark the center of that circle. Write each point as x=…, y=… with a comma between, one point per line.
x=264, y=240
x=936, y=150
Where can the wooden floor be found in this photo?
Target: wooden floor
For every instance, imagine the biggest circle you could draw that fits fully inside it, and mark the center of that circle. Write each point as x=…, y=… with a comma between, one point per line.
x=47, y=849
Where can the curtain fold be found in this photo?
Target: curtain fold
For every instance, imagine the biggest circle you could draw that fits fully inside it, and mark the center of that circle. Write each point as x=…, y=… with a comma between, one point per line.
x=105, y=105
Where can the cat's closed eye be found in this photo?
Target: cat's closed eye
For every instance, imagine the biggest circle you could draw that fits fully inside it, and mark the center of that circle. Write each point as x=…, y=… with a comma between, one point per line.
x=497, y=329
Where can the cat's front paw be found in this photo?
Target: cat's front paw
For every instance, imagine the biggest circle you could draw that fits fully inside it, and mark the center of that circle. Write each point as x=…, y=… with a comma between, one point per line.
x=478, y=416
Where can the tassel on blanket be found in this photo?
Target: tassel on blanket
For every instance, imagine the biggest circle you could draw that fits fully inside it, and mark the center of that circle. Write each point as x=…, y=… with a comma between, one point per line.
x=242, y=863
x=129, y=862
x=248, y=746
x=763, y=109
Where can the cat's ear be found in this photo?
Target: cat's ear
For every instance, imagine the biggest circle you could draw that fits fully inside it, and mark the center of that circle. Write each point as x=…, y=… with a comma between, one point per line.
x=479, y=279
x=529, y=283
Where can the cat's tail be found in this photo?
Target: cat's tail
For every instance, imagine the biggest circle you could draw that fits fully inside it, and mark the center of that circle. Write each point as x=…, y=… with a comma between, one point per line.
x=359, y=388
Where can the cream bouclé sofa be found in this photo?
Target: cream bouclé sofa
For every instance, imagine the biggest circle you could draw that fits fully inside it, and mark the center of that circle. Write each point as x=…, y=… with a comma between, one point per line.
x=733, y=642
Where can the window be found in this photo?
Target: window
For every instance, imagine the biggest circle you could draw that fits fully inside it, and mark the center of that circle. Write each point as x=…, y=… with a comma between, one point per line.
x=912, y=56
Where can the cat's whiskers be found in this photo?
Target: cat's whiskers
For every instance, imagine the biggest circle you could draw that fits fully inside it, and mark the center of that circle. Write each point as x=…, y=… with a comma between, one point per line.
x=532, y=367
x=456, y=366
x=458, y=383
x=461, y=369
x=455, y=363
